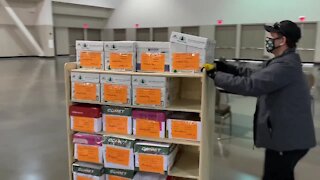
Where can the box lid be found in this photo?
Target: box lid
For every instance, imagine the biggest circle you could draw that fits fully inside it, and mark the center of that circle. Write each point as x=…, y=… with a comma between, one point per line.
x=153, y=44
x=85, y=110
x=113, y=110
x=85, y=77
x=89, y=45
x=115, y=79
x=150, y=115
x=154, y=147
x=189, y=40
x=87, y=139
x=88, y=168
x=120, y=172
x=118, y=141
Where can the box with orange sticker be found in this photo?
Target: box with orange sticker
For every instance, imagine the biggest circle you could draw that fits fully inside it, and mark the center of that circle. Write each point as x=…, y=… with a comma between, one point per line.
x=117, y=120
x=118, y=152
x=150, y=124
x=115, y=89
x=119, y=174
x=150, y=176
x=88, y=148
x=185, y=126
x=120, y=55
x=154, y=157
x=189, y=53
x=86, y=118
x=153, y=56
x=85, y=86
x=87, y=171
x=153, y=91
x=90, y=54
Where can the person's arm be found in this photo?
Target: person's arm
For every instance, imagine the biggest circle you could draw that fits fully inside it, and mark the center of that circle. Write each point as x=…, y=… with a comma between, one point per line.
x=237, y=70
x=269, y=79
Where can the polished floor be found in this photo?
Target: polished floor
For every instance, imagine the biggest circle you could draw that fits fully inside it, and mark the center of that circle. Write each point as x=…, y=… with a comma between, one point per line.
x=33, y=142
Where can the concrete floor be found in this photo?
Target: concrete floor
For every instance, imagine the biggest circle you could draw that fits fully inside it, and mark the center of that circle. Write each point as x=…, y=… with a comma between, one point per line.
x=33, y=142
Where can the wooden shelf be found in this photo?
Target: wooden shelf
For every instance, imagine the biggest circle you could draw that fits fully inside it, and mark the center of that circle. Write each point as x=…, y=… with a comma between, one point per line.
x=165, y=74
x=165, y=140
x=186, y=165
x=183, y=105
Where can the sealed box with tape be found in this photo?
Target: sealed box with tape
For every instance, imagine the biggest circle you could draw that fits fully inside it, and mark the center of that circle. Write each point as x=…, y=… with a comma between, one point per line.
x=88, y=148
x=85, y=86
x=90, y=54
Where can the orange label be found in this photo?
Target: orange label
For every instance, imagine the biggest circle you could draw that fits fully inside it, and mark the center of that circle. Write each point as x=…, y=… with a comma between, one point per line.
x=151, y=163
x=116, y=124
x=120, y=60
x=184, y=129
x=84, y=124
x=116, y=178
x=146, y=96
x=88, y=153
x=115, y=93
x=85, y=91
x=117, y=156
x=90, y=59
x=83, y=178
x=148, y=128
x=186, y=61
x=153, y=62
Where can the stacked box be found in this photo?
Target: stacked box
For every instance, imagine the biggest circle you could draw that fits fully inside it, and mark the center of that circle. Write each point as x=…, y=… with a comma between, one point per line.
x=85, y=86
x=185, y=126
x=120, y=55
x=117, y=120
x=90, y=54
x=118, y=152
x=86, y=118
x=83, y=170
x=119, y=174
x=153, y=91
x=154, y=157
x=150, y=176
x=189, y=53
x=88, y=148
x=153, y=56
x=149, y=124
x=115, y=89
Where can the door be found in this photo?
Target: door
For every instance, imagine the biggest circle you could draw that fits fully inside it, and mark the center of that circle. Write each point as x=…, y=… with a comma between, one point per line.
x=94, y=35
x=74, y=35
x=160, y=34
x=143, y=34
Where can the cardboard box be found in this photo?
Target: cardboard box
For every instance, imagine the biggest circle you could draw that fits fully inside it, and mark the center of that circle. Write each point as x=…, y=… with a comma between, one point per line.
x=151, y=124
x=149, y=176
x=154, y=157
x=85, y=86
x=90, y=54
x=185, y=126
x=189, y=53
x=117, y=120
x=88, y=148
x=119, y=174
x=86, y=118
x=118, y=152
x=83, y=170
x=153, y=56
x=120, y=55
x=153, y=91
x=115, y=89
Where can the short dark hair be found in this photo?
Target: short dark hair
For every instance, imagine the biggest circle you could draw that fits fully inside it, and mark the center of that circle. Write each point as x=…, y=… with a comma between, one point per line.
x=291, y=43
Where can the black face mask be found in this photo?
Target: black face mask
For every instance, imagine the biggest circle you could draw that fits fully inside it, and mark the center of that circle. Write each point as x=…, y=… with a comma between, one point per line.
x=270, y=44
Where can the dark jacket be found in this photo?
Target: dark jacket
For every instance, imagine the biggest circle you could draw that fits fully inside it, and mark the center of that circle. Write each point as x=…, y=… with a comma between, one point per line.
x=283, y=119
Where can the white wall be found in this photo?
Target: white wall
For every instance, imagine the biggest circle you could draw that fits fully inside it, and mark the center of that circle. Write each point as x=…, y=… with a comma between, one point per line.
x=97, y=3
x=162, y=13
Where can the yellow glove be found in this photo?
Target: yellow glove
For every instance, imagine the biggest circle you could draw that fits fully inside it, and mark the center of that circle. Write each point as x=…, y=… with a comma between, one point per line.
x=209, y=67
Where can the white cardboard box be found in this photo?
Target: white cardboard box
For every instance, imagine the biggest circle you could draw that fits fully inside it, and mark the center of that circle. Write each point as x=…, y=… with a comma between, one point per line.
x=158, y=53
x=166, y=151
x=118, y=152
x=120, y=55
x=114, y=117
x=90, y=54
x=85, y=86
x=191, y=46
x=121, y=84
x=150, y=86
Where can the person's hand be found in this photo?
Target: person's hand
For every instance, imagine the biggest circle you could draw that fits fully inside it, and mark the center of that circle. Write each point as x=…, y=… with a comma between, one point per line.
x=210, y=69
